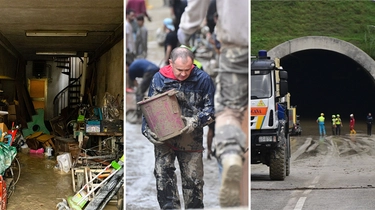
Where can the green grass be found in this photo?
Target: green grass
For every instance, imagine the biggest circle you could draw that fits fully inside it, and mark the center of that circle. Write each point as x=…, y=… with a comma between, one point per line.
x=274, y=22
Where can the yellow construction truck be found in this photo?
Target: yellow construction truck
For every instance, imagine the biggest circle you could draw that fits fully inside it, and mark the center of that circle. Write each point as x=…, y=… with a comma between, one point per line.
x=270, y=113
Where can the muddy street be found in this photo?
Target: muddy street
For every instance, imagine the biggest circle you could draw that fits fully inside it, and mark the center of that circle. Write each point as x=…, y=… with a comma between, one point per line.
x=326, y=171
x=140, y=181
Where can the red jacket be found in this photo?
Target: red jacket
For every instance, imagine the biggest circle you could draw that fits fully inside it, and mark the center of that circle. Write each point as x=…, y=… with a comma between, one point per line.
x=352, y=123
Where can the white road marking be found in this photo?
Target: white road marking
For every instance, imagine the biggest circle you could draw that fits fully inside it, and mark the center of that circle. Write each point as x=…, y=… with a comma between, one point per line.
x=300, y=203
x=316, y=180
x=301, y=200
x=306, y=192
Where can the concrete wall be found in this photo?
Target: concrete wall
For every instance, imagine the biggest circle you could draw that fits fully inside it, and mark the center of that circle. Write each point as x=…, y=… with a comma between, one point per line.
x=110, y=74
x=8, y=68
x=325, y=43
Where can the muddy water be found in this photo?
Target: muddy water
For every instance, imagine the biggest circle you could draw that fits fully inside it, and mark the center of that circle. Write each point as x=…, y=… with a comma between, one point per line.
x=40, y=185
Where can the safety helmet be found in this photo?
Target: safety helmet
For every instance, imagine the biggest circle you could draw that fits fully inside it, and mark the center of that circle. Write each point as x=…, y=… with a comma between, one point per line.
x=322, y=114
x=351, y=115
x=338, y=115
x=333, y=116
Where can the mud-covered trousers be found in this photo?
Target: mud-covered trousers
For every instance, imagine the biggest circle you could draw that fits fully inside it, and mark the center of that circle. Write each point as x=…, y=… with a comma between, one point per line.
x=191, y=167
x=231, y=100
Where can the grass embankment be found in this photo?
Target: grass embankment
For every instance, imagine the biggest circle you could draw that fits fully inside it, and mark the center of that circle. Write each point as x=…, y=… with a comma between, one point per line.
x=274, y=22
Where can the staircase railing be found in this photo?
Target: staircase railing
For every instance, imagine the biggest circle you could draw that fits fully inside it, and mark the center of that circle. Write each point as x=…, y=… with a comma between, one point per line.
x=70, y=95
x=61, y=99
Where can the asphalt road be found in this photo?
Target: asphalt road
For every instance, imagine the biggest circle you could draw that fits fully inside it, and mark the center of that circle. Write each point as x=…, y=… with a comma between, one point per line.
x=330, y=172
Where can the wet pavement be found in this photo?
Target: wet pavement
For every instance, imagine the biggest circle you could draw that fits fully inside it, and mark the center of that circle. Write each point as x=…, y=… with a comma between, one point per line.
x=327, y=172
x=41, y=185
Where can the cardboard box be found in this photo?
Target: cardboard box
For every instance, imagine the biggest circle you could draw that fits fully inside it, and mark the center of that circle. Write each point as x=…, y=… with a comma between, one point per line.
x=12, y=109
x=3, y=128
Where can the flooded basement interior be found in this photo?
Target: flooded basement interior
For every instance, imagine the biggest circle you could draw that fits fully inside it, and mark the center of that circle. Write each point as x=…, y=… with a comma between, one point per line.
x=42, y=184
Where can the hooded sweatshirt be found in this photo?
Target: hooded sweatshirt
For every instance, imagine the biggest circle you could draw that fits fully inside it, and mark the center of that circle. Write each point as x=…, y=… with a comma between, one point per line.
x=195, y=97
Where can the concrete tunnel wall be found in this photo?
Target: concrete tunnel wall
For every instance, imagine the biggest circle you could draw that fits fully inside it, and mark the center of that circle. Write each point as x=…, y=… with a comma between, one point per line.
x=325, y=43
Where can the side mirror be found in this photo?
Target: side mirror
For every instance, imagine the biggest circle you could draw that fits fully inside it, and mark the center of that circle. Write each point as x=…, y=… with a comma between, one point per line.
x=283, y=87
x=283, y=75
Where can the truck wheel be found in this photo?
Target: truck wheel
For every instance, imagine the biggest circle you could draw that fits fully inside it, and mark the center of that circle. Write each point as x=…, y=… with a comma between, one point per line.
x=278, y=164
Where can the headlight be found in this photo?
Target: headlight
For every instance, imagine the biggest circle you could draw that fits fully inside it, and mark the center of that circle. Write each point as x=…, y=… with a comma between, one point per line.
x=267, y=139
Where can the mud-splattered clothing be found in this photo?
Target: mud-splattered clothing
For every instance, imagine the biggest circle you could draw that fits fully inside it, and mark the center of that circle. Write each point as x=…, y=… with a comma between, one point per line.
x=231, y=97
x=196, y=99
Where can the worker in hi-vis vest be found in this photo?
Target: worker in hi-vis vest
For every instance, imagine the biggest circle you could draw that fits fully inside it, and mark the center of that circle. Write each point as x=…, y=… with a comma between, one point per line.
x=338, y=124
x=333, y=124
x=320, y=121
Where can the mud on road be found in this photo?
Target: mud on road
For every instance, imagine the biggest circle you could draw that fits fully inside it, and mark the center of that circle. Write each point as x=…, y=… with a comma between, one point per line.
x=140, y=181
x=313, y=154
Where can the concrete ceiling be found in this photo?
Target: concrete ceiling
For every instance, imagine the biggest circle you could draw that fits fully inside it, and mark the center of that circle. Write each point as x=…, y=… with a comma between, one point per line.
x=103, y=21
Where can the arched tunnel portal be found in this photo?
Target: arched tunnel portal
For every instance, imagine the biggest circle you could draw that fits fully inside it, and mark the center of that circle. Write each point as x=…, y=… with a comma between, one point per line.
x=328, y=75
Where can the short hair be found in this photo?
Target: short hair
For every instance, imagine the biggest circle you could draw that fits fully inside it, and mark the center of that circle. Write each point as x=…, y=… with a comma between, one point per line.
x=181, y=52
x=129, y=11
x=140, y=17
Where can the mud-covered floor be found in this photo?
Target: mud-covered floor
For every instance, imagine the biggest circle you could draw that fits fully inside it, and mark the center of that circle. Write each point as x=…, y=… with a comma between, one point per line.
x=41, y=186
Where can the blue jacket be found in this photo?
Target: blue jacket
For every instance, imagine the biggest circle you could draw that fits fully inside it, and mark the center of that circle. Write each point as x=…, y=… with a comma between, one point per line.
x=139, y=67
x=195, y=97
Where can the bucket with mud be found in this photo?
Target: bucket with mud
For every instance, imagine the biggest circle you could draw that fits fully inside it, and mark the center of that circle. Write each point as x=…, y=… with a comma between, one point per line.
x=163, y=115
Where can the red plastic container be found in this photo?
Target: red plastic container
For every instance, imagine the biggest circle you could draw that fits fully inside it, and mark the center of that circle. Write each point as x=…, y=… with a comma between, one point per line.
x=163, y=115
x=3, y=196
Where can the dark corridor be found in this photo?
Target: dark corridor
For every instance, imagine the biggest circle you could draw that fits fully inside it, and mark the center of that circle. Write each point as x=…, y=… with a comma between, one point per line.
x=328, y=82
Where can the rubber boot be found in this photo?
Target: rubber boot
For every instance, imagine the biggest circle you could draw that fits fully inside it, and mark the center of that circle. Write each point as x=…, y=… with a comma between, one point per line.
x=230, y=182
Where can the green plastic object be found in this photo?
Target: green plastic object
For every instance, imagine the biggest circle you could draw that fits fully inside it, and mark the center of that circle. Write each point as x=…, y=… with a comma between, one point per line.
x=7, y=154
x=80, y=118
x=37, y=124
x=73, y=205
x=115, y=165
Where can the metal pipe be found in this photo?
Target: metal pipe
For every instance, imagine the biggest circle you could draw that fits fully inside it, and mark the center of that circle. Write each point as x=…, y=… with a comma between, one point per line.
x=83, y=78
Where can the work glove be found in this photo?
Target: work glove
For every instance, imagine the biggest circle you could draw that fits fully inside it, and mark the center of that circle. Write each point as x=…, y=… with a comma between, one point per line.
x=152, y=137
x=183, y=38
x=190, y=124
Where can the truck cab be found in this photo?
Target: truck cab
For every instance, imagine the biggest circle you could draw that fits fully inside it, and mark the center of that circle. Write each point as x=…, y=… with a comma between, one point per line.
x=270, y=143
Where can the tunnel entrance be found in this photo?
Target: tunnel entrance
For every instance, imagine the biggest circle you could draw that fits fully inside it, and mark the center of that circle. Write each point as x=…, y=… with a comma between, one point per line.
x=329, y=82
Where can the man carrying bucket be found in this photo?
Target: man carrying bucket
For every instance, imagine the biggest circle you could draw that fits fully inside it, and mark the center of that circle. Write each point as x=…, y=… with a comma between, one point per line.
x=195, y=96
